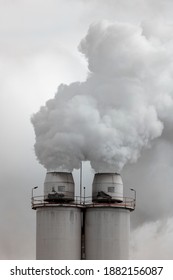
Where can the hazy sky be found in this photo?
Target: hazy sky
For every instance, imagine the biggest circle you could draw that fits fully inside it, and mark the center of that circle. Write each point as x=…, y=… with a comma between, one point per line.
x=38, y=52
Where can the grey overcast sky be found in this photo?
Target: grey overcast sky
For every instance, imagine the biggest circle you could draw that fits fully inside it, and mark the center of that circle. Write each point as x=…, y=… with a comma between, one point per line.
x=38, y=52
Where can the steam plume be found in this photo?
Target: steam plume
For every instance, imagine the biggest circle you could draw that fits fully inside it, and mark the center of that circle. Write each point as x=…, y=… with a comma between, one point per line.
x=119, y=109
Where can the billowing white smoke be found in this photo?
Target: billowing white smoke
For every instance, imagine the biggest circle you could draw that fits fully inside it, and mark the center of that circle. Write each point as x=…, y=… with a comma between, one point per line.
x=119, y=109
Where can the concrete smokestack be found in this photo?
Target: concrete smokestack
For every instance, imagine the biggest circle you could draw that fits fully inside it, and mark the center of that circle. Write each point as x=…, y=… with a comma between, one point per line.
x=107, y=224
x=58, y=234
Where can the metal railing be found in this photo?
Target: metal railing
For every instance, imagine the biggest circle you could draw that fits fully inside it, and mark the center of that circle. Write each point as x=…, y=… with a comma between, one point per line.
x=82, y=202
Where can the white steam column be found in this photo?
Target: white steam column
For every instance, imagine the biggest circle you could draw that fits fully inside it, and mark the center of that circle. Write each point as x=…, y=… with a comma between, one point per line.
x=107, y=222
x=58, y=233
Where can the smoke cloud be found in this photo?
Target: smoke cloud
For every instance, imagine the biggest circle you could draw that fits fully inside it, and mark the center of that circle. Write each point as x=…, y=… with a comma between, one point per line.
x=122, y=106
